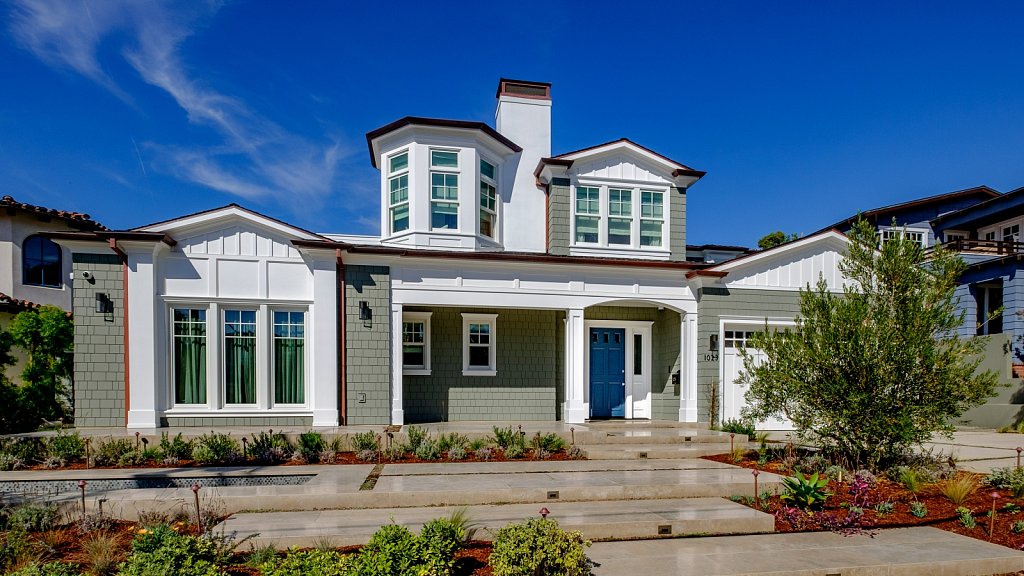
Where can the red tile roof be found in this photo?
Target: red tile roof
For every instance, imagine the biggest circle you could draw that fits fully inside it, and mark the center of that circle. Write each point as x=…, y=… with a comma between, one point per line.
x=79, y=219
x=9, y=303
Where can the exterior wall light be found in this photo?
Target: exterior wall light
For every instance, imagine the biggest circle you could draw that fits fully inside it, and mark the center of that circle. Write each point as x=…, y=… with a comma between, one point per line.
x=713, y=344
x=103, y=303
x=365, y=313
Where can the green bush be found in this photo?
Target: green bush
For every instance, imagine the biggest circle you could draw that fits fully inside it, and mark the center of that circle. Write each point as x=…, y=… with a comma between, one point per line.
x=66, y=447
x=392, y=550
x=109, y=453
x=363, y=441
x=311, y=444
x=441, y=538
x=32, y=517
x=504, y=437
x=1008, y=478
x=176, y=447
x=10, y=462
x=918, y=509
x=428, y=450
x=26, y=449
x=269, y=448
x=446, y=442
x=538, y=547
x=216, y=448
x=738, y=427
x=309, y=563
x=550, y=442
x=805, y=491
x=164, y=552
x=456, y=453
x=514, y=451
x=48, y=569
x=416, y=437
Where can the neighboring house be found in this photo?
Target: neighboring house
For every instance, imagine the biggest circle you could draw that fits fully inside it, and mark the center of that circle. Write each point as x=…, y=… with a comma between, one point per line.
x=33, y=269
x=507, y=284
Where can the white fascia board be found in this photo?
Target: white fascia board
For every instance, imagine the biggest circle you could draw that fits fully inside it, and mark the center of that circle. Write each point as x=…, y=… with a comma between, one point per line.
x=213, y=218
x=829, y=236
x=666, y=165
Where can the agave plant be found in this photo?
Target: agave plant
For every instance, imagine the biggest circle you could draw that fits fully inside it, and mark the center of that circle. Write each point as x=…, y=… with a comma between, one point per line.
x=806, y=491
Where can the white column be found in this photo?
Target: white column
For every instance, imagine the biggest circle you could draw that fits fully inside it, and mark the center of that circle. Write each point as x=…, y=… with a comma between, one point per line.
x=323, y=319
x=397, y=413
x=688, y=371
x=141, y=318
x=576, y=408
x=264, y=378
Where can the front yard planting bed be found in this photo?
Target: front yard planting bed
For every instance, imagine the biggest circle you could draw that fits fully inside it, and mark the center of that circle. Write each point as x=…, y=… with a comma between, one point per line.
x=888, y=503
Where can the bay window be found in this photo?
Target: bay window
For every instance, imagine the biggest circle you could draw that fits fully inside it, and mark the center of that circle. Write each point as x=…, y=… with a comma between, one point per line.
x=398, y=190
x=444, y=190
x=588, y=214
x=188, y=335
x=488, y=199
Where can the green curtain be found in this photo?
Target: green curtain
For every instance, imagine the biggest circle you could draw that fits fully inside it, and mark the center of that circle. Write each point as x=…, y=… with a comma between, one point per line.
x=190, y=370
x=288, y=371
x=240, y=370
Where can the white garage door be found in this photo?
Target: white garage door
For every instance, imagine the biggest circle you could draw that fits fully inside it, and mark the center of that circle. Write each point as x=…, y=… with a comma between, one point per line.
x=733, y=399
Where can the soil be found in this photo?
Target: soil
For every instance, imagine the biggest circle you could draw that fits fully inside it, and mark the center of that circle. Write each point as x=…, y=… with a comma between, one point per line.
x=941, y=511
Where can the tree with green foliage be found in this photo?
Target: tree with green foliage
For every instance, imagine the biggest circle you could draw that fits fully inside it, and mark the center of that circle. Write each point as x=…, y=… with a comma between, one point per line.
x=773, y=239
x=47, y=336
x=872, y=372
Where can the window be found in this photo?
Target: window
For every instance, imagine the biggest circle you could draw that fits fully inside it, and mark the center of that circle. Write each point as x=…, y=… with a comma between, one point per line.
x=620, y=216
x=953, y=236
x=239, y=356
x=737, y=338
x=638, y=354
x=478, y=355
x=990, y=235
x=289, y=357
x=588, y=214
x=1011, y=233
x=189, y=343
x=920, y=237
x=488, y=199
x=416, y=343
x=398, y=190
x=989, y=300
x=40, y=262
x=444, y=191
x=652, y=218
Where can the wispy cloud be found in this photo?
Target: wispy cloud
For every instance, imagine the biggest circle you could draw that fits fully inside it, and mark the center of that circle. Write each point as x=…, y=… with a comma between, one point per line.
x=257, y=158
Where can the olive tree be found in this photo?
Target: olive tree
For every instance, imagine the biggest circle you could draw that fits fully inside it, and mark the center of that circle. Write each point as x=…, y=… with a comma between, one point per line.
x=872, y=372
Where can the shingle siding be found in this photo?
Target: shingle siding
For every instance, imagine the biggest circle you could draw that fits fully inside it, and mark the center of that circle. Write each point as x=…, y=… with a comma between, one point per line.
x=677, y=224
x=559, y=213
x=368, y=345
x=99, y=342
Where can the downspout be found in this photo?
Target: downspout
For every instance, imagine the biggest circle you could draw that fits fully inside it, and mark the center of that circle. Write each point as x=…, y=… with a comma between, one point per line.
x=124, y=288
x=342, y=379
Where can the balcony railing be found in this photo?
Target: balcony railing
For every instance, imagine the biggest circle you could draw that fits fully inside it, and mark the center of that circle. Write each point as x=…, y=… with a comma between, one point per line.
x=996, y=247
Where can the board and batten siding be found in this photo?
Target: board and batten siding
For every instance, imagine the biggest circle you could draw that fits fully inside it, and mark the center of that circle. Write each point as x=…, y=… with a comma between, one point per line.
x=715, y=302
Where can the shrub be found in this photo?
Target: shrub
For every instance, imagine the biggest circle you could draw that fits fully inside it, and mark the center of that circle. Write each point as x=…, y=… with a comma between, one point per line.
x=1011, y=479
x=216, y=448
x=836, y=472
x=805, y=491
x=269, y=448
x=164, y=552
x=307, y=563
x=476, y=444
x=32, y=517
x=959, y=488
x=966, y=517
x=28, y=449
x=441, y=538
x=10, y=462
x=910, y=477
x=514, y=451
x=311, y=444
x=1017, y=527
x=576, y=453
x=416, y=437
x=109, y=453
x=66, y=447
x=367, y=455
x=504, y=437
x=178, y=447
x=428, y=450
x=392, y=549
x=101, y=552
x=884, y=507
x=538, y=547
x=550, y=442
x=48, y=569
x=260, y=555
x=446, y=442
x=393, y=453
x=918, y=509
x=456, y=453
x=363, y=441
x=737, y=426
x=132, y=458
x=483, y=453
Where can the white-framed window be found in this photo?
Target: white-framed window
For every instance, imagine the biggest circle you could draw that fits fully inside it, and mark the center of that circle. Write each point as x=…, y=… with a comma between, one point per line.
x=239, y=356
x=916, y=235
x=444, y=190
x=488, y=199
x=990, y=235
x=289, y=357
x=588, y=214
x=737, y=338
x=188, y=355
x=1011, y=233
x=416, y=343
x=398, y=191
x=652, y=218
x=479, y=344
x=620, y=216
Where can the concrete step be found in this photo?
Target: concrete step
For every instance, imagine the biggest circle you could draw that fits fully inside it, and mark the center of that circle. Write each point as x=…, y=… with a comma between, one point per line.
x=654, y=451
x=605, y=520
x=659, y=436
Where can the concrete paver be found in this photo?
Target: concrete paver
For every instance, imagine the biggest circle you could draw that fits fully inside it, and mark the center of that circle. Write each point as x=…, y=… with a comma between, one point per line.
x=897, y=552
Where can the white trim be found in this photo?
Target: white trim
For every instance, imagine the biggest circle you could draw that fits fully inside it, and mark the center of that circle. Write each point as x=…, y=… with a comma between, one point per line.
x=227, y=211
x=492, y=320
x=631, y=327
x=397, y=410
x=634, y=249
x=424, y=317
x=741, y=321
x=772, y=252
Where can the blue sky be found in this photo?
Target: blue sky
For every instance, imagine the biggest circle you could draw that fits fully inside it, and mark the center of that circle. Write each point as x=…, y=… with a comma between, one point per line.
x=801, y=113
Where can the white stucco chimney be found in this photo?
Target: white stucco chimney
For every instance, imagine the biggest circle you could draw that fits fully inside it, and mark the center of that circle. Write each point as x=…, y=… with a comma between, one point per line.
x=524, y=117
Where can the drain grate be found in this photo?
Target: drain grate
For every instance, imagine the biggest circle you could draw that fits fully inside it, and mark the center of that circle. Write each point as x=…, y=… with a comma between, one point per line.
x=553, y=495
x=665, y=530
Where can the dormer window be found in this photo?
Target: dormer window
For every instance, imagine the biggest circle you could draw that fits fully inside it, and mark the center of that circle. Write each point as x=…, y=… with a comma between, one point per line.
x=588, y=214
x=444, y=190
x=398, y=185
x=617, y=217
x=620, y=216
x=652, y=217
x=488, y=199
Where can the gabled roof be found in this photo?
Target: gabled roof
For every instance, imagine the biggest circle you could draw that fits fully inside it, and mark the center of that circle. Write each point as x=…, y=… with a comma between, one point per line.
x=678, y=168
x=437, y=123
x=993, y=203
x=78, y=219
x=982, y=193
x=723, y=269
x=229, y=210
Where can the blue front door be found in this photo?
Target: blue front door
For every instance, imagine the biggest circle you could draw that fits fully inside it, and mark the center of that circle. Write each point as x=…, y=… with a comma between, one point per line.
x=607, y=373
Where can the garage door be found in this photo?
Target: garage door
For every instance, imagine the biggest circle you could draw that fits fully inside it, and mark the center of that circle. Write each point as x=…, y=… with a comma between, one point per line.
x=733, y=399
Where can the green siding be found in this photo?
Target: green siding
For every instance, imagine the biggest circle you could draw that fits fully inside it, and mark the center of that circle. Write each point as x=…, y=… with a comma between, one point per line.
x=712, y=304
x=559, y=213
x=677, y=224
x=99, y=342
x=525, y=387
x=368, y=345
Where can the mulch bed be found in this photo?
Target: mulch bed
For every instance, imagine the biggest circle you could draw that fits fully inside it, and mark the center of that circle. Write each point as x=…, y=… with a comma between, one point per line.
x=941, y=511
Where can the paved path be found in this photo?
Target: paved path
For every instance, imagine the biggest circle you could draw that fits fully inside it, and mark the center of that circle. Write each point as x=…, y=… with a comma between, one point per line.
x=597, y=520
x=896, y=552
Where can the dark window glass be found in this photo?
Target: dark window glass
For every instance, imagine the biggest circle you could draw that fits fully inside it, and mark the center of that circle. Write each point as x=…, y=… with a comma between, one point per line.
x=638, y=354
x=41, y=262
x=479, y=356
